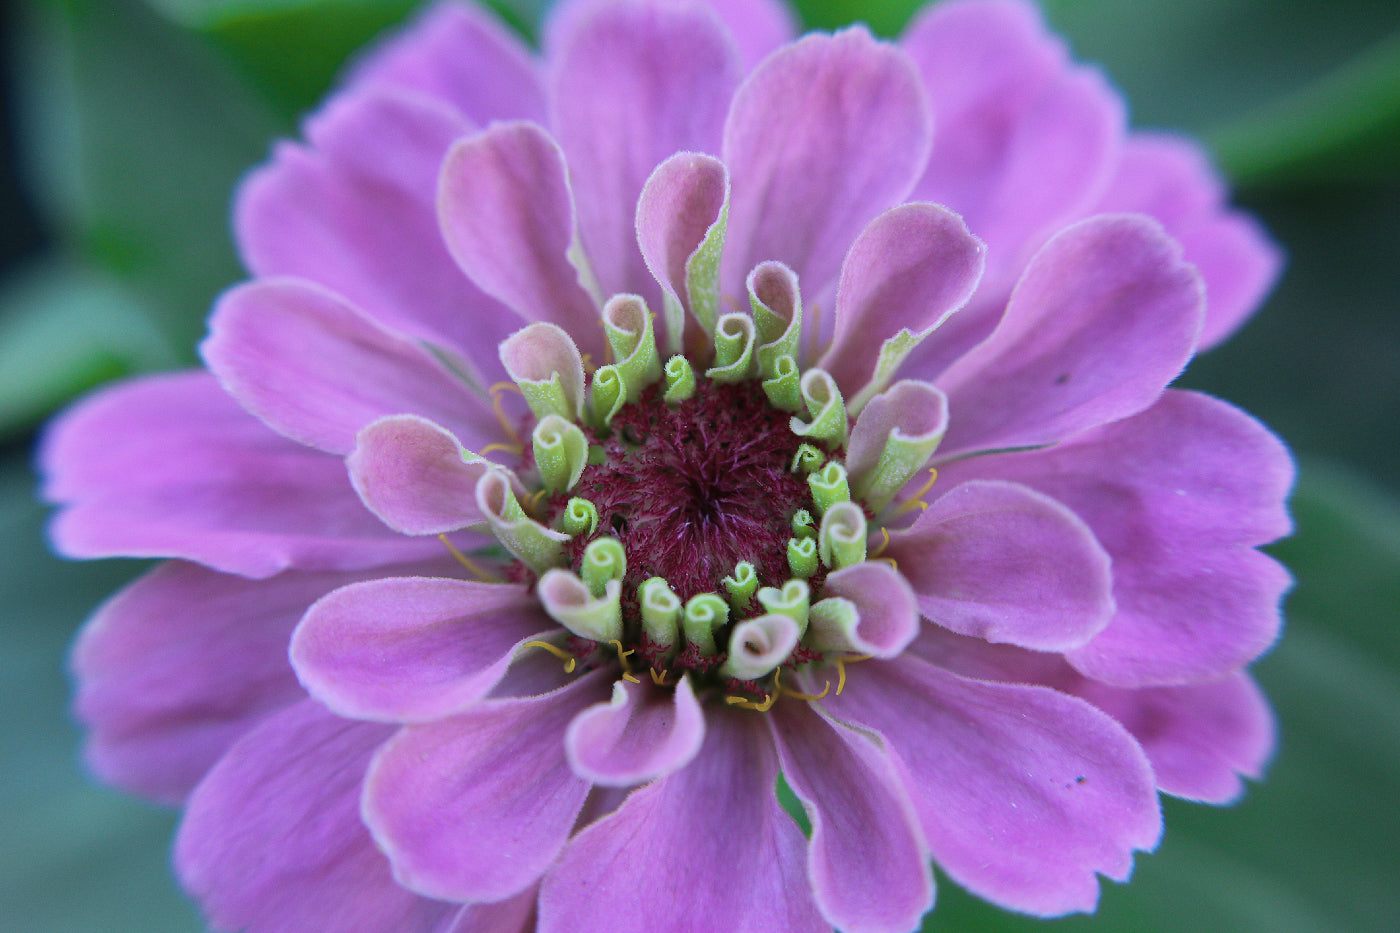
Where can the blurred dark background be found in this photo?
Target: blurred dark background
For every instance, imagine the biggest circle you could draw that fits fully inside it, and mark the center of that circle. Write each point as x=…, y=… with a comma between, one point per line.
x=126, y=124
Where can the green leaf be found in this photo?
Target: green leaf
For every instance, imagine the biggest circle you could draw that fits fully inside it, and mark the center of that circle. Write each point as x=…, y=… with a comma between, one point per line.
x=140, y=133
x=67, y=330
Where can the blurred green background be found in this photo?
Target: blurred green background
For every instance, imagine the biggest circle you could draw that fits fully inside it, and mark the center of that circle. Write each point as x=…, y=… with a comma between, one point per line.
x=127, y=123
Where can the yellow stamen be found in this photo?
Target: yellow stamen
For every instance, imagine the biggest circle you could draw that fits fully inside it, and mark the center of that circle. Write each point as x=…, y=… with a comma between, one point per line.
x=570, y=662
x=841, y=670
x=506, y=426
x=534, y=501
x=660, y=679
x=474, y=569
x=514, y=449
x=622, y=656
x=917, y=500
x=885, y=534
x=807, y=696
x=887, y=560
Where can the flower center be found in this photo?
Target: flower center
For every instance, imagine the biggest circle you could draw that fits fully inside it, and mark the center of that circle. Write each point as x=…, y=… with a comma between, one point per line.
x=693, y=489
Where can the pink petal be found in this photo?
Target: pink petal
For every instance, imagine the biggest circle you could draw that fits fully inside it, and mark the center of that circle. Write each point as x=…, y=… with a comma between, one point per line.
x=1023, y=793
x=317, y=370
x=412, y=649
x=476, y=807
x=632, y=84
x=1200, y=738
x=909, y=269
x=272, y=838
x=170, y=466
x=1003, y=563
x=464, y=56
x=867, y=859
x=822, y=137
x=736, y=867
x=512, y=915
x=415, y=476
x=642, y=733
x=888, y=607
x=1171, y=179
x=178, y=665
x=1179, y=496
x=679, y=206
x=1105, y=316
x=507, y=214
x=1025, y=140
x=353, y=211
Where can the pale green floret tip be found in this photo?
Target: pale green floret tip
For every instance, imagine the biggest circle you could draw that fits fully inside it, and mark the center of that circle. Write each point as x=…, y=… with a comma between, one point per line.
x=892, y=353
x=547, y=397
x=803, y=525
x=734, y=341
x=807, y=459
x=899, y=461
x=740, y=585
x=832, y=625
x=568, y=601
x=702, y=275
x=609, y=395
x=792, y=601
x=604, y=560
x=843, y=536
x=829, y=486
x=783, y=385
x=634, y=350
x=536, y=546
x=826, y=410
x=661, y=612
x=802, y=557
x=680, y=380
x=704, y=614
x=778, y=338
x=580, y=517
x=561, y=453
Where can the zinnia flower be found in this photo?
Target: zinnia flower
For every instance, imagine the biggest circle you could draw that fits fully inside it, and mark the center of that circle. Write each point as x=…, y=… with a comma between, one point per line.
x=604, y=435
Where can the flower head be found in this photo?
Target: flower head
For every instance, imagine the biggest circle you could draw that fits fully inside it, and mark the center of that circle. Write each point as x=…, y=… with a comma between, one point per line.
x=604, y=435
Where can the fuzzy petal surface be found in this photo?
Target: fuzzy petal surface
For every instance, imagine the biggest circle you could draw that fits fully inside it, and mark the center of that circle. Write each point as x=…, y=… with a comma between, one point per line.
x=1023, y=793
x=476, y=807
x=177, y=666
x=1180, y=496
x=415, y=476
x=296, y=780
x=1104, y=317
x=821, y=138
x=1172, y=179
x=171, y=466
x=1006, y=564
x=318, y=370
x=463, y=56
x=1025, y=140
x=909, y=269
x=737, y=867
x=507, y=214
x=352, y=210
x=412, y=649
x=632, y=84
x=867, y=860
x=640, y=734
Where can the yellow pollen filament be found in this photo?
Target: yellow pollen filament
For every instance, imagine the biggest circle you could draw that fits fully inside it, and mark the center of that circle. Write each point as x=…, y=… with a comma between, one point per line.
x=495, y=391
x=622, y=656
x=534, y=501
x=472, y=567
x=917, y=500
x=514, y=449
x=885, y=534
x=841, y=670
x=588, y=366
x=887, y=560
x=768, y=700
x=570, y=662
x=660, y=679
